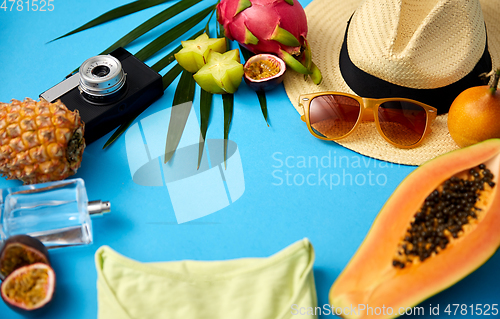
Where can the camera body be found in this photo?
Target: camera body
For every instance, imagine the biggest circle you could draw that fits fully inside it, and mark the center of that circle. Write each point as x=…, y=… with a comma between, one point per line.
x=107, y=91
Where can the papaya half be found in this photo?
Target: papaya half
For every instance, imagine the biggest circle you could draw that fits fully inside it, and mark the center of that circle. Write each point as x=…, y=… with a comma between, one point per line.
x=440, y=224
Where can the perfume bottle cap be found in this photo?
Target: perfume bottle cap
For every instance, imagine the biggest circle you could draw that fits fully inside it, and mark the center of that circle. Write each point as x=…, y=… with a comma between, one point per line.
x=98, y=207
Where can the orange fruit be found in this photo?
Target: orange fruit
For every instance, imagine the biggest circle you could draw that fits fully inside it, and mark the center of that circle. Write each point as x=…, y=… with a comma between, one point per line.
x=474, y=115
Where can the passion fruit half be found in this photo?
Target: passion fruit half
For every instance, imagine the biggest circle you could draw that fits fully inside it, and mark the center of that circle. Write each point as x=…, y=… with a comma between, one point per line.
x=264, y=72
x=21, y=250
x=29, y=289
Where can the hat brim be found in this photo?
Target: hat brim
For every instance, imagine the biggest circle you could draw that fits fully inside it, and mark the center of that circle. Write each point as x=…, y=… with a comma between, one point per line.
x=327, y=21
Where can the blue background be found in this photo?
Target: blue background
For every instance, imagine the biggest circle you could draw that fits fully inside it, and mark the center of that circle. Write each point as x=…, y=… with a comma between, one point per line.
x=267, y=218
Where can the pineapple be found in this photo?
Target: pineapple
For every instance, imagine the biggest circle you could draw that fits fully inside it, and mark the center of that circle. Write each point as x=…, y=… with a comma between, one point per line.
x=39, y=141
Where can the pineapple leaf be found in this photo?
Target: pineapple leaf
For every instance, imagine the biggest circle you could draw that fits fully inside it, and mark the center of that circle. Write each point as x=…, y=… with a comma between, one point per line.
x=261, y=95
x=183, y=93
x=169, y=58
x=228, y=103
x=205, y=107
x=152, y=23
x=115, y=14
x=167, y=80
x=169, y=36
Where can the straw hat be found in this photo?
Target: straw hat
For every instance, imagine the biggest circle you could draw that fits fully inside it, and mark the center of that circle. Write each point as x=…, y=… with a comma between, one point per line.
x=427, y=50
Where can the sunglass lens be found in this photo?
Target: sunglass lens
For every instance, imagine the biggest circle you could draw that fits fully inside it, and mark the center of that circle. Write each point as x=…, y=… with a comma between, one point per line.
x=333, y=116
x=402, y=122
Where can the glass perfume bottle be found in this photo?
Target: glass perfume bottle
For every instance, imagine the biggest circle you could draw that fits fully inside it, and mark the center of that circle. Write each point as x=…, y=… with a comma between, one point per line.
x=57, y=213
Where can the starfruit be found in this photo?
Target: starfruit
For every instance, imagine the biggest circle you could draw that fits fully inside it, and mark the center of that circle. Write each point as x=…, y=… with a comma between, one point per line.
x=222, y=73
x=194, y=53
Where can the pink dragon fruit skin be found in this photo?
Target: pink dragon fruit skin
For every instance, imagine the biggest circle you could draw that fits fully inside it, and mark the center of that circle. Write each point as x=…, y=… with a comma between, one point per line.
x=261, y=19
x=270, y=26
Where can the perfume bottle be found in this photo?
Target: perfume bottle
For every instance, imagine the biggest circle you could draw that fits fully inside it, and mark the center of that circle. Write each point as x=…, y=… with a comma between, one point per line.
x=57, y=213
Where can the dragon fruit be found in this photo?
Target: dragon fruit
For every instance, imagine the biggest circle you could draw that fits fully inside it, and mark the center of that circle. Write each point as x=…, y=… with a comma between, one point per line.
x=270, y=26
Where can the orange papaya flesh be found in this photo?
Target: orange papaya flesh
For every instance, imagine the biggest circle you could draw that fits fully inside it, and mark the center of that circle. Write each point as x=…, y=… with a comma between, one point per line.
x=382, y=274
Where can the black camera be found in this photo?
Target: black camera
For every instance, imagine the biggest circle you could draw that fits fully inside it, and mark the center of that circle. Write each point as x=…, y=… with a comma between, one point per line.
x=108, y=90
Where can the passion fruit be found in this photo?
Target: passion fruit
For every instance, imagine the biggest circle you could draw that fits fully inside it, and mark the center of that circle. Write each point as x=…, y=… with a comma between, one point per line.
x=21, y=250
x=474, y=114
x=264, y=72
x=29, y=289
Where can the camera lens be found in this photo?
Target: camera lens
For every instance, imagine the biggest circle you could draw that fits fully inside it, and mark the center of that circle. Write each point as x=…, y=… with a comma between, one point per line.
x=102, y=78
x=101, y=71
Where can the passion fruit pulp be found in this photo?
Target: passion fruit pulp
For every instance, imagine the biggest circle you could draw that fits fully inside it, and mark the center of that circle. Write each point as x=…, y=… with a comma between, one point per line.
x=19, y=251
x=30, y=288
x=264, y=72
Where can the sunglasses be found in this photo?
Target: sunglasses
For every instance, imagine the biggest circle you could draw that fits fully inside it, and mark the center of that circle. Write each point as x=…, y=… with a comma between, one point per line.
x=332, y=116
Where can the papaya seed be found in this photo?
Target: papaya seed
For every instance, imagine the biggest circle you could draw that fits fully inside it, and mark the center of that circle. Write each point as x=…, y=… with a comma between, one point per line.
x=443, y=215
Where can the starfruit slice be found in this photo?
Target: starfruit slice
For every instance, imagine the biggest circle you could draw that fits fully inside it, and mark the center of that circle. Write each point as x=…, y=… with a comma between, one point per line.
x=222, y=73
x=195, y=52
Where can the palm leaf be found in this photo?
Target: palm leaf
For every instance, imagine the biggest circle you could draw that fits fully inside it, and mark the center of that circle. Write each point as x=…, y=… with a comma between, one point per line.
x=169, y=36
x=263, y=104
x=152, y=23
x=205, y=107
x=167, y=80
x=261, y=95
x=171, y=75
x=169, y=58
x=207, y=28
x=183, y=93
x=115, y=14
x=228, y=103
x=119, y=132
x=220, y=34
x=227, y=100
x=166, y=60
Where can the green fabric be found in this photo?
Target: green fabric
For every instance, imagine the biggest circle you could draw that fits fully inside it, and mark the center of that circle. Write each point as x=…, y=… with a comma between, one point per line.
x=257, y=288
